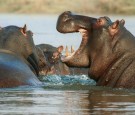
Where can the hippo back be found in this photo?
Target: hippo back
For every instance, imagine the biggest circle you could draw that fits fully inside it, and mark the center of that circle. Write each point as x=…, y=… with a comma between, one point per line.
x=14, y=72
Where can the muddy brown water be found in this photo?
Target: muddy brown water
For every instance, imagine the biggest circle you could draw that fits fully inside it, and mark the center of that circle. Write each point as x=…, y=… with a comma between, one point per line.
x=63, y=95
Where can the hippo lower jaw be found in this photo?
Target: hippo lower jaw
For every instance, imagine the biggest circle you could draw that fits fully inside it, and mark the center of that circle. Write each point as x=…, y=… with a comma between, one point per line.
x=67, y=58
x=80, y=57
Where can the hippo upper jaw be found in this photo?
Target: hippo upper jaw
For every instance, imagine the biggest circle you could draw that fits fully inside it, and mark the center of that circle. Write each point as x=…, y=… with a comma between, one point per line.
x=69, y=22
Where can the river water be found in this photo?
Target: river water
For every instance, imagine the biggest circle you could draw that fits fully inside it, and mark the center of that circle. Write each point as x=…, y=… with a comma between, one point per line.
x=63, y=95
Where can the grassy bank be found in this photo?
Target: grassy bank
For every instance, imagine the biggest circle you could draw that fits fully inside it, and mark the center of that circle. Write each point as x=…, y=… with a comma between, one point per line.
x=126, y=7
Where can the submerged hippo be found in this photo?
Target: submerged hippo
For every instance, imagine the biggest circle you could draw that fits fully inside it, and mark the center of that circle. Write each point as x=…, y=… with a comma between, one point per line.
x=52, y=55
x=107, y=48
x=19, y=61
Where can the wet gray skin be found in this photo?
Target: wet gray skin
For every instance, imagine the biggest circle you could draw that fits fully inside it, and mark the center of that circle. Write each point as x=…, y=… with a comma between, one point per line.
x=22, y=44
x=107, y=48
x=19, y=59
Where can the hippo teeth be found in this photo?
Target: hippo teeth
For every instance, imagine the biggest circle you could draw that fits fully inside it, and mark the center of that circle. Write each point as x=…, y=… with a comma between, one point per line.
x=68, y=54
x=72, y=49
x=67, y=51
x=66, y=58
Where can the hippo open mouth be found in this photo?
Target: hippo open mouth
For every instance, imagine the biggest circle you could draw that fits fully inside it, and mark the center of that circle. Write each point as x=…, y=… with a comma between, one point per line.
x=69, y=56
x=70, y=23
x=89, y=28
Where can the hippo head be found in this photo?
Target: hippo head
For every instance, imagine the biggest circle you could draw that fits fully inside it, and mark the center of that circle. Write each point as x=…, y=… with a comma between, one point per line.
x=91, y=30
x=48, y=57
x=69, y=22
x=17, y=39
x=20, y=41
x=52, y=54
x=96, y=48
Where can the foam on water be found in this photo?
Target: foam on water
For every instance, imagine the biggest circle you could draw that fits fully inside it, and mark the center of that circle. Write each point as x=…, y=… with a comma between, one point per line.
x=68, y=79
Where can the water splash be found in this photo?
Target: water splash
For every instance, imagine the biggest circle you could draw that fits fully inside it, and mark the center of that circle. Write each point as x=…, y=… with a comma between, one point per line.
x=68, y=80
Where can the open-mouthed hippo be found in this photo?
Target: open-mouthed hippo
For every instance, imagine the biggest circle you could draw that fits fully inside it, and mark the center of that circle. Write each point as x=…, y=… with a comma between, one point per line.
x=107, y=48
x=19, y=61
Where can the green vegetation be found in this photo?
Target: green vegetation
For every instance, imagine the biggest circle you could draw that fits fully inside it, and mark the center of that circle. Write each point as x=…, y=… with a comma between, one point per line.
x=126, y=7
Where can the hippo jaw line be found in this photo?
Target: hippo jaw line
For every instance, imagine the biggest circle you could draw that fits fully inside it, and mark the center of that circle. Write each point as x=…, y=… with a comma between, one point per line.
x=80, y=50
x=69, y=30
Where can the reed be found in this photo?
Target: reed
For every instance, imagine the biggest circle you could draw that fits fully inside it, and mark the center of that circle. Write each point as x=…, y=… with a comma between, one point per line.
x=57, y=6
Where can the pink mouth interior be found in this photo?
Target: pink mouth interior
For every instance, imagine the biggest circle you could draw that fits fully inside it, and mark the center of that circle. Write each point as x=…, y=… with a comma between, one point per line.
x=84, y=34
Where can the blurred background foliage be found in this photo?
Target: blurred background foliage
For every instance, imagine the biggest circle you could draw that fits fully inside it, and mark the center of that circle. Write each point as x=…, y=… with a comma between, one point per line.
x=124, y=7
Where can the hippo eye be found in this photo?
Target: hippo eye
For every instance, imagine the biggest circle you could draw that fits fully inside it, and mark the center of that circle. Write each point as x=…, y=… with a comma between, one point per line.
x=66, y=17
x=99, y=21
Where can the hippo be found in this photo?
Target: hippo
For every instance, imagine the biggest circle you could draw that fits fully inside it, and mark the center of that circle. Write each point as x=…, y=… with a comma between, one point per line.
x=52, y=55
x=107, y=48
x=43, y=65
x=55, y=65
x=19, y=61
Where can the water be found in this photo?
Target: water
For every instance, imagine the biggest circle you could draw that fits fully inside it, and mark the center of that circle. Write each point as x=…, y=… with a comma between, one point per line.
x=69, y=100
x=63, y=95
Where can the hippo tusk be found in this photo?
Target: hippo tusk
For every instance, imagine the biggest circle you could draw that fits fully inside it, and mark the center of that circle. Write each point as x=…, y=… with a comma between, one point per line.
x=66, y=51
x=72, y=49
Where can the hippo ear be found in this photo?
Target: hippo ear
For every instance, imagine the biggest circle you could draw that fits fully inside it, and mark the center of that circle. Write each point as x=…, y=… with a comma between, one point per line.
x=122, y=22
x=113, y=29
x=24, y=30
x=60, y=49
x=115, y=24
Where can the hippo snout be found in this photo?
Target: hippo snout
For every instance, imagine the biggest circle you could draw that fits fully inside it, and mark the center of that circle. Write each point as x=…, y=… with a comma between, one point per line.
x=69, y=22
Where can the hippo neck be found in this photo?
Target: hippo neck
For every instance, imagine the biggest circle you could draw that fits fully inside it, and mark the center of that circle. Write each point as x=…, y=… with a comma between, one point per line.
x=108, y=52
x=116, y=71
